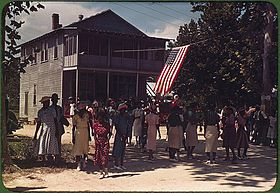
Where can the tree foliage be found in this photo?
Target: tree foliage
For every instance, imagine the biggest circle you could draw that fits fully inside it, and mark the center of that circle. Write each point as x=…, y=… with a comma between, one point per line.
x=224, y=63
x=11, y=64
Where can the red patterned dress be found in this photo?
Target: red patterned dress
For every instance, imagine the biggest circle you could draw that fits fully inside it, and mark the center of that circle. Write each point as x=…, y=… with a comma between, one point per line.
x=101, y=144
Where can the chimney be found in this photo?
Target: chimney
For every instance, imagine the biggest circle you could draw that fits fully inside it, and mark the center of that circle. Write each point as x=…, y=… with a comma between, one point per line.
x=55, y=21
x=81, y=17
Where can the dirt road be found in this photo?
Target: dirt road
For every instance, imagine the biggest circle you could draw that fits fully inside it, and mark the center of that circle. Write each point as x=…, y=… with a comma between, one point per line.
x=258, y=173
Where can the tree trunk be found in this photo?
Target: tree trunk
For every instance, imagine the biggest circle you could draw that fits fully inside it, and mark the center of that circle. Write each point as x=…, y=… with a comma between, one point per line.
x=6, y=160
x=267, y=84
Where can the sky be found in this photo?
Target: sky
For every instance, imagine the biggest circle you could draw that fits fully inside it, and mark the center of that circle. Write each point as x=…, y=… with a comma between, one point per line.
x=153, y=18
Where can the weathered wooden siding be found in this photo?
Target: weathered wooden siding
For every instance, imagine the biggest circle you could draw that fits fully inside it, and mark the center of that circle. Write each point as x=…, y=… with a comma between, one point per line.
x=46, y=75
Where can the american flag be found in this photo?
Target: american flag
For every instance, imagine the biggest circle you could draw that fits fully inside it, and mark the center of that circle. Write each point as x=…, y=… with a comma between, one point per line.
x=171, y=70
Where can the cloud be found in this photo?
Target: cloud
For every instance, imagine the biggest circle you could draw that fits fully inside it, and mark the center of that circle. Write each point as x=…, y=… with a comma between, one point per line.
x=38, y=23
x=168, y=31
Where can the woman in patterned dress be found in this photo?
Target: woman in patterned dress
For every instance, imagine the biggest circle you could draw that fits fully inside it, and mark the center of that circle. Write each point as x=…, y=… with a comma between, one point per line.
x=81, y=135
x=47, y=144
x=152, y=121
x=101, y=129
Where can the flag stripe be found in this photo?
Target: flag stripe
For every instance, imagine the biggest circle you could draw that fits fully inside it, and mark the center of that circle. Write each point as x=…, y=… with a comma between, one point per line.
x=171, y=70
x=170, y=67
x=170, y=79
x=176, y=73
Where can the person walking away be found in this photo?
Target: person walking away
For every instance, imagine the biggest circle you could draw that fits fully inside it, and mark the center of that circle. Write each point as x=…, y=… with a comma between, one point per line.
x=260, y=119
x=81, y=136
x=47, y=145
x=61, y=121
x=138, y=116
x=272, y=130
x=152, y=121
x=211, y=133
x=174, y=134
x=241, y=135
x=191, y=131
x=121, y=123
x=101, y=132
x=229, y=133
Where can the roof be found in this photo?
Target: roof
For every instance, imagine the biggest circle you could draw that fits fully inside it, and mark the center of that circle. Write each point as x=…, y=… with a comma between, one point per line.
x=104, y=22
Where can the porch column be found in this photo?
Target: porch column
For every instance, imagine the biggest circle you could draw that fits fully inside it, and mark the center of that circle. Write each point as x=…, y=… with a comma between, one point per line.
x=108, y=84
x=138, y=68
x=108, y=66
x=77, y=83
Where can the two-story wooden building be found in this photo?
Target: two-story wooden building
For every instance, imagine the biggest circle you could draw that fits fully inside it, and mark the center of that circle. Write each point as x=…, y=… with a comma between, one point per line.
x=81, y=60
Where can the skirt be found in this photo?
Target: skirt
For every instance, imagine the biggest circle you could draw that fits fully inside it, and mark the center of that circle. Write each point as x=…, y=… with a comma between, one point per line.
x=192, y=138
x=174, y=137
x=229, y=137
x=242, y=139
x=211, y=136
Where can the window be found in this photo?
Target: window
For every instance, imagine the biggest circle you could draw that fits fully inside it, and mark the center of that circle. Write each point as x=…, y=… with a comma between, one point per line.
x=55, y=49
x=26, y=103
x=35, y=95
x=44, y=51
x=34, y=56
x=70, y=45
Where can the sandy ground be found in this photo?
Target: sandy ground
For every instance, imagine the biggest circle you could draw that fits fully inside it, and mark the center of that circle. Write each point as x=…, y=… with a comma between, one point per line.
x=258, y=173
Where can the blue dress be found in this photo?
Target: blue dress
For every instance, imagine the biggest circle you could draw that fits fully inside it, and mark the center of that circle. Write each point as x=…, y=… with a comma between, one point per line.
x=122, y=128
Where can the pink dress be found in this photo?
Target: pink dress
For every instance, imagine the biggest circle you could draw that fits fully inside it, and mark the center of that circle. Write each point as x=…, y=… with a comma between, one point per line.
x=152, y=120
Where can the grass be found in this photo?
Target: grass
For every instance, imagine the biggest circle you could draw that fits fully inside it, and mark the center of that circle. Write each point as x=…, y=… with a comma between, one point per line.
x=23, y=158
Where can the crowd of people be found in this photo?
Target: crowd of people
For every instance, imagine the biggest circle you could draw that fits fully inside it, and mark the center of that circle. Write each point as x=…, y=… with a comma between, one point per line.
x=129, y=119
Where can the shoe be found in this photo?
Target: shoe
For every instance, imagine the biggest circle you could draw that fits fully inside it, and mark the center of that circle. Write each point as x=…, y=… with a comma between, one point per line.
x=101, y=176
x=106, y=175
x=117, y=168
x=79, y=168
x=239, y=157
x=208, y=162
x=213, y=162
x=244, y=157
x=123, y=168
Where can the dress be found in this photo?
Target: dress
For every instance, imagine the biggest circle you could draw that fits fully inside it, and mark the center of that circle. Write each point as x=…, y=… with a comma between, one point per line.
x=101, y=144
x=137, y=123
x=175, y=131
x=152, y=120
x=271, y=133
x=47, y=142
x=241, y=134
x=72, y=109
x=192, y=138
x=211, y=136
x=229, y=132
x=121, y=123
x=81, y=145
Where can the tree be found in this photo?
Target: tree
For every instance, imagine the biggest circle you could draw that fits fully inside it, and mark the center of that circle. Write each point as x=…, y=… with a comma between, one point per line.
x=12, y=66
x=224, y=63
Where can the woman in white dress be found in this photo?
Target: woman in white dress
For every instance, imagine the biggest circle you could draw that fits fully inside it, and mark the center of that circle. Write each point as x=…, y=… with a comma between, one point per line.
x=47, y=144
x=138, y=115
x=152, y=121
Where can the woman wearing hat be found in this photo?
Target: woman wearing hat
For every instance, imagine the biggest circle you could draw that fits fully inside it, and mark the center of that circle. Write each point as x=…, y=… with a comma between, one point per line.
x=47, y=144
x=121, y=123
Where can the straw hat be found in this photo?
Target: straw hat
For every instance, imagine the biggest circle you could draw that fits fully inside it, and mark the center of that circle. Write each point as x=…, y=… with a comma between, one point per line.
x=122, y=106
x=44, y=99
